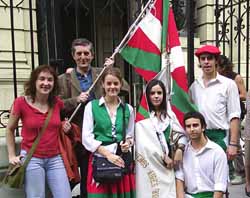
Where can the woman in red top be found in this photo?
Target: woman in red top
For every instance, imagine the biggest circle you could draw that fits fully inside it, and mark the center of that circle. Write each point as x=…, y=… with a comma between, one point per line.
x=32, y=109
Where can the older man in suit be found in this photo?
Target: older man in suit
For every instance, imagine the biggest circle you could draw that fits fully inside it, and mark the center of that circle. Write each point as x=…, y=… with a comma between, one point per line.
x=74, y=90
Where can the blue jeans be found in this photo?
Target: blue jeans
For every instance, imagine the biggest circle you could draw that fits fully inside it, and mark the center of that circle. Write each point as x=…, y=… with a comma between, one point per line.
x=51, y=170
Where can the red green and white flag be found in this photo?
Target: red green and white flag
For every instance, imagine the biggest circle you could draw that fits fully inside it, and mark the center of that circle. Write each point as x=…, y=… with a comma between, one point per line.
x=143, y=49
x=156, y=35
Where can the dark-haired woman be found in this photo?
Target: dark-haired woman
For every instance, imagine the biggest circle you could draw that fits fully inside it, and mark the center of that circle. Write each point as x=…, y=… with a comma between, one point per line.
x=225, y=68
x=154, y=162
x=102, y=133
x=46, y=163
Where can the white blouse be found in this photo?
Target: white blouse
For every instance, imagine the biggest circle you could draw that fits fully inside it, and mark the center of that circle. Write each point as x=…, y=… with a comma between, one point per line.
x=88, y=138
x=161, y=125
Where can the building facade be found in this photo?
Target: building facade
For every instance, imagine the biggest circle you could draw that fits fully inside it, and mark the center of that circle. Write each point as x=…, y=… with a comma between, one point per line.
x=34, y=32
x=37, y=32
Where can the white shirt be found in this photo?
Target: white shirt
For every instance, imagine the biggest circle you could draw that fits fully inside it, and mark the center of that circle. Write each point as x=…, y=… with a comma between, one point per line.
x=161, y=125
x=88, y=138
x=218, y=102
x=205, y=170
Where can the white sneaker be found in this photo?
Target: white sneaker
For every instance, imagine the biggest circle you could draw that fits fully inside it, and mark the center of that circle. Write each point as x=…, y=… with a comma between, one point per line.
x=237, y=180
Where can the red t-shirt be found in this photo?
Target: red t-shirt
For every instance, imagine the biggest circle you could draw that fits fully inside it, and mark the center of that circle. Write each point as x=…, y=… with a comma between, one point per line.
x=32, y=122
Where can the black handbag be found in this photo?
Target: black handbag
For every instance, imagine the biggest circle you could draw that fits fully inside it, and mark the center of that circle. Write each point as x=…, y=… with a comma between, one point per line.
x=105, y=171
x=128, y=159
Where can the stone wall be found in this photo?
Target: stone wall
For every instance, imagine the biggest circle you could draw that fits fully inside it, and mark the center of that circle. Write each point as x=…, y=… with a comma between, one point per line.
x=23, y=60
x=22, y=48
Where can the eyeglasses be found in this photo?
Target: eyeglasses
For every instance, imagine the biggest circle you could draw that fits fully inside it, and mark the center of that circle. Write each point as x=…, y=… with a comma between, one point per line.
x=208, y=57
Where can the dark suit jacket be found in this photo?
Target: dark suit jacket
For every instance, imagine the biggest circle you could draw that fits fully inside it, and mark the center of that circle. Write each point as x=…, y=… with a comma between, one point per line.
x=70, y=89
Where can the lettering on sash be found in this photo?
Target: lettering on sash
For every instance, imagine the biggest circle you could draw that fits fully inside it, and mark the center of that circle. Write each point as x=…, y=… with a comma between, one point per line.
x=139, y=158
x=156, y=193
x=153, y=178
x=151, y=175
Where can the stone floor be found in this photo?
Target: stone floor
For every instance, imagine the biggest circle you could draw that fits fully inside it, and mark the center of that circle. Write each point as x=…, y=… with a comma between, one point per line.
x=237, y=191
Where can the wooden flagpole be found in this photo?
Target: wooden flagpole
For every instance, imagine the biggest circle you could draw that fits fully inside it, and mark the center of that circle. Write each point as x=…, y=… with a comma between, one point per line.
x=124, y=41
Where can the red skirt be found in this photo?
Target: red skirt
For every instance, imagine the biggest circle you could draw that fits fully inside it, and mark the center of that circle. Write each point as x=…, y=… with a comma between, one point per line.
x=125, y=188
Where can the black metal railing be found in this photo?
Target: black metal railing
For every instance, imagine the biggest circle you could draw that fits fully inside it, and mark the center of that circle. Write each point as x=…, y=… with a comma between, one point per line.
x=81, y=16
x=232, y=32
x=13, y=7
x=4, y=117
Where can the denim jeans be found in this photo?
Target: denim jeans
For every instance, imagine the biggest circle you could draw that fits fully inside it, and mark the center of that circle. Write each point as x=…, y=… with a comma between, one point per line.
x=50, y=170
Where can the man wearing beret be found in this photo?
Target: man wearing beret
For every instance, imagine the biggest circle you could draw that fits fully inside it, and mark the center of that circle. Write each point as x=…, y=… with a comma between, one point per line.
x=217, y=99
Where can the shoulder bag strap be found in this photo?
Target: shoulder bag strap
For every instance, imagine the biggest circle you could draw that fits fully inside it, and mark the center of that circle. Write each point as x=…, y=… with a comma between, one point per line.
x=123, y=123
x=34, y=145
x=124, y=129
x=161, y=143
x=159, y=138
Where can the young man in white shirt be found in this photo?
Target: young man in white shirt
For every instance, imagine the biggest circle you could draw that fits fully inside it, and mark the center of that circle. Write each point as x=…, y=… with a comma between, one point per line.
x=204, y=170
x=217, y=99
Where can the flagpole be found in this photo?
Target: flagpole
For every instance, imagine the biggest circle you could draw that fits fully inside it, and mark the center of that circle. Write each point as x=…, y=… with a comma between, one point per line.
x=132, y=27
x=173, y=140
x=117, y=49
x=88, y=91
x=169, y=92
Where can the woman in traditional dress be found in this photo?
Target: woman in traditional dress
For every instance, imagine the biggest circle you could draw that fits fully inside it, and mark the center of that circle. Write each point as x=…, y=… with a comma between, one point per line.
x=154, y=162
x=102, y=133
x=32, y=109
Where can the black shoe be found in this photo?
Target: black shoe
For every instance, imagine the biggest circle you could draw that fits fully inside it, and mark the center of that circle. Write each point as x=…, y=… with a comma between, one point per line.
x=247, y=192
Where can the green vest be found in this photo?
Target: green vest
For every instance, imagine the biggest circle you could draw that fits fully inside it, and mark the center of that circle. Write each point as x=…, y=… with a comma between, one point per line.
x=102, y=123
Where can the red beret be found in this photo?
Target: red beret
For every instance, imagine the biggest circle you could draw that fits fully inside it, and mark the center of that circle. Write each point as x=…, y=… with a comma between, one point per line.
x=210, y=49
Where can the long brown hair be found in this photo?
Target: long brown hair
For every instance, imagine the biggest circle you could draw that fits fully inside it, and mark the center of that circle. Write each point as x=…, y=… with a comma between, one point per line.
x=163, y=105
x=30, y=85
x=226, y=65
